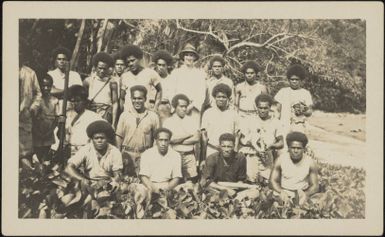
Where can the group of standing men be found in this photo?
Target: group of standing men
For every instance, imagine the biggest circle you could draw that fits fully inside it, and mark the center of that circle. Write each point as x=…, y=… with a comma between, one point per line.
x=168, y=125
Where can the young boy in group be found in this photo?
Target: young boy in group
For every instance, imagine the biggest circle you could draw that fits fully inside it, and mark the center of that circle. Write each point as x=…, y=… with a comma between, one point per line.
x=44, y=110
x=245, y=93
x=294, y=102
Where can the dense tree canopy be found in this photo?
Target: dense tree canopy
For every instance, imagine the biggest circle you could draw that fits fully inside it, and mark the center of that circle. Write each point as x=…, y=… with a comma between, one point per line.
x=333, y=51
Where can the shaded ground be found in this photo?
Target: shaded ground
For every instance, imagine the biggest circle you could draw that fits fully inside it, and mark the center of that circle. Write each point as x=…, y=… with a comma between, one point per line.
x=338, y=138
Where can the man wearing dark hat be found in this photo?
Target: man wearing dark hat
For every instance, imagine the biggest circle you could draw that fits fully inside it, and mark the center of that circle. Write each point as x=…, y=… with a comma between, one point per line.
x=295, y=102
x=100, y=159
x=294, y=171
x=138, y=75
x=190, y=80
x=103, y=88
x=61, y=58
x=78, y=119
x=163, y=62
x=29, y=91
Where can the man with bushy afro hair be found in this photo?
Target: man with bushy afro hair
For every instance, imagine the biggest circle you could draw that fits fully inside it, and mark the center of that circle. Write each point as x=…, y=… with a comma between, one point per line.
x=217, y=58
x=103, y=88
x=77, y=91
x=250, y=64
x=221, y=88
x=296, y=137
x=137, y=74
x=61, y=57
x=163, y=54
x=61, y=50
x=132, y=50
x=264, y=98
x=294, y=172
x=139, y=88
x=177, y=97
x=294, y=102
x=101, y=135
x=216, y=66
x=102, y=57
x=297, y=70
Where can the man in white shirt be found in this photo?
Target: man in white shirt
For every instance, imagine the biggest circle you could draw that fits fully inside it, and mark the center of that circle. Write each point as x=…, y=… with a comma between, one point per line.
x=246, y=92
x=217, y=64
x=219, y=119
x=160, y=166
x=99, y=158
x=190, y=80
x=262, y=140
x=294, y=171
x=62, y=56
x=103, y=89
x=138, y=75
x=185, y=130
x=163, y=62
x=295, y=102
x=77, y=120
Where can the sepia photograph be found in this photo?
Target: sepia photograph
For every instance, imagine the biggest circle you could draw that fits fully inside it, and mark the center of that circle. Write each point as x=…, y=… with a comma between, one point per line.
x=232, y=118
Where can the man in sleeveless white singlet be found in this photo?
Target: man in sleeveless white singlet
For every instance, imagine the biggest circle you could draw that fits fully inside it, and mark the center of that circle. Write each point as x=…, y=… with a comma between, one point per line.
x=294, y=171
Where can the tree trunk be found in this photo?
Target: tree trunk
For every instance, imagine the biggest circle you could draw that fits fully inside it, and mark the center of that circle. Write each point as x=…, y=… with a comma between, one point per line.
x=75, y=57
x=100, y=37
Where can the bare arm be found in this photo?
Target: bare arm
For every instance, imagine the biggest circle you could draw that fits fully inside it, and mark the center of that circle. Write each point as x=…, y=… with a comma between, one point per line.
x=180, y=140
x=173, y=183
x=193, y=139
x=278, y=144
x=148, y=183
x=72, y=171
x=122, y=99
x=275, y=177
x=313, y=180
x=158, y=96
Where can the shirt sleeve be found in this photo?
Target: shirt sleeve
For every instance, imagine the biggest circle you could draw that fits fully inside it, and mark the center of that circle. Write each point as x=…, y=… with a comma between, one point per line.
x=241, y=174
x=236, y=122
x=308, y=99
x=155, y=78
x=278, y=96
x=117, y=161
x=120, y=129
x=177, y=168
x=145, y=165
x=79, y=157
x=200, y=92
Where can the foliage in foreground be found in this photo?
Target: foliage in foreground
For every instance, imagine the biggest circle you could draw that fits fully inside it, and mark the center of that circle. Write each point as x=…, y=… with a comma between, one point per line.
x=48, y=193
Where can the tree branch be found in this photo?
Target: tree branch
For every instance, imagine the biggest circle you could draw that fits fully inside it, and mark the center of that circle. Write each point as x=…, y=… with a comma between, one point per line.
x=210, y=32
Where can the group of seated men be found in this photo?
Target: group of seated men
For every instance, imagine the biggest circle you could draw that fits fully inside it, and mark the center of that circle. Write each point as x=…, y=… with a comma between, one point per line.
x=170, y=126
